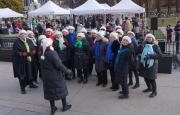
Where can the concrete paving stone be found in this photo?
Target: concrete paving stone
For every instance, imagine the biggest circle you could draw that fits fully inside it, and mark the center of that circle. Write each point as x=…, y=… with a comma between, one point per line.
x=89, y=99
x=16, y=111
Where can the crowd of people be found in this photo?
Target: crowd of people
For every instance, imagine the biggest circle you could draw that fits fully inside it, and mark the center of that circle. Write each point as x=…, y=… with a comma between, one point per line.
x=56, y=56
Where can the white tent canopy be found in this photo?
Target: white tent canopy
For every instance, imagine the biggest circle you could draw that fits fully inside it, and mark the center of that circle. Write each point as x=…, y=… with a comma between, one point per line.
x=126, y=6
x=89, y=7
x=49, y=8
x=8, y=13
x=106, y=6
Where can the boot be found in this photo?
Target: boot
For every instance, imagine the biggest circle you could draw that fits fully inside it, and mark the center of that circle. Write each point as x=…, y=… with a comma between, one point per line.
x=66, y=107
x=23, y=91
x=153, y=94
x=85, y=80
x=130, y=83
x=135, y=86
x=80, y=80
x=33, y=86
x=53, y=110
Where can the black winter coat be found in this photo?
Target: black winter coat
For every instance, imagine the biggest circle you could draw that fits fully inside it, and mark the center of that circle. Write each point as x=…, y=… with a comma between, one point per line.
x=122, y=68
x=151, y=73
x=62, y=53
x=82, y=55
x=100, y=65
x=21, y=67
x=53, y=81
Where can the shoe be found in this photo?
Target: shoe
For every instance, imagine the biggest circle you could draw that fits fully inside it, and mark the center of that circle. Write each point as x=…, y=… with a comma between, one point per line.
x=98, y=84
x=129, y=84
x=111, y=87
x=153, y=94
x=33, y=86
x=123, y=96
x=53, y=110
x=135, y=86
x=104, y=85
x=147, y=90
x=85, y=81
x=120, y=92
x=23, y=91
x=80, y=81
x=67, y=107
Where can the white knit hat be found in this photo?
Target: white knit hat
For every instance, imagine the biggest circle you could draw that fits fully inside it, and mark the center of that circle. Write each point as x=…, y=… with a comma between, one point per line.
x=150, y=36
x=49, y=30
x=120, y=31
x=101, y=33
x=83, y=30
x=127, y=38
x=94, y=31
x=30, y=32
x=41, y=37
x=81, y=35
x=70, y=28
x=65, y=30
x=118, y=27
x=57, y=33
x=114, y=35
x=103, y=28
x=130, y=32
x=45, y=43
x=22, y=32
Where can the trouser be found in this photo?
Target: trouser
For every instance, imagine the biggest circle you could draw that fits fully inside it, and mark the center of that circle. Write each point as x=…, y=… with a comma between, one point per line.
x=24, y=83
x=82, y=73
x=102, y=77
x=52, y=103
x=125, y=89
x=35, y=70
x=114, y=84
x=135, y=71
x=91, y=64
x=151, y=84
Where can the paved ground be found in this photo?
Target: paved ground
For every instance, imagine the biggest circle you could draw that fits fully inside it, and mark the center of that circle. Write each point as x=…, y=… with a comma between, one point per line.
x=89, y=99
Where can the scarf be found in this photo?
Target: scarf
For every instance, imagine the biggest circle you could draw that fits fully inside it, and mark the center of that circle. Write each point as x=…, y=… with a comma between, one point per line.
x=121, y=50
x=61, y=43
x=109, y=54
x=72, y=38
x=27, y=48
x=78, y=43
x=97, y=50
x=148, y=49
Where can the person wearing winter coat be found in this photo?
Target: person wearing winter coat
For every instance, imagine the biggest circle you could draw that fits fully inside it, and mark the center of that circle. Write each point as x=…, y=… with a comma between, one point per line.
x=100, y=62
x=111, y=52
x=81, y=57
x=54, y=84
x=22, y=60
x=60, y=46
x=133, y=68
x=122, y=64
x=91, y=42
x=71, y=38
x=35, y=69
x=149, y=64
